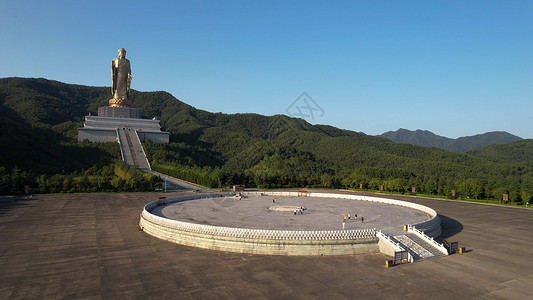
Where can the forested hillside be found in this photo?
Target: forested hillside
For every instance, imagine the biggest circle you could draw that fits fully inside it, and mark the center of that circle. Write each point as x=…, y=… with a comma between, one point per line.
x=38, y=121
x=38, y=141
x=218, y=149
x=463, y=144
x=517, y=152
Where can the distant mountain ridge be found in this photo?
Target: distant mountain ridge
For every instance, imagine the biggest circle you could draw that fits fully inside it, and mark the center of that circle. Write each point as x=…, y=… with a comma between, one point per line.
x=460, y=145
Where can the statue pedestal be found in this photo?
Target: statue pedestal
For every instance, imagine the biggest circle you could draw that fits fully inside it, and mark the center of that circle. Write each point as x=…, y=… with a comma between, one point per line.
x=105, y=126
x=105, y=129
x=119, y=112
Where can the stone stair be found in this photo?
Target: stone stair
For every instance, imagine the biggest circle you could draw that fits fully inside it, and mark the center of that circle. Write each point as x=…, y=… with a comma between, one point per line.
x=417, y=247
x=131, y=148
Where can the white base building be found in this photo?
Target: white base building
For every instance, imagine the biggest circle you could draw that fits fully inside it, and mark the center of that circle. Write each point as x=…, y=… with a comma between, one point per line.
x=105, y=128
x=120, y=124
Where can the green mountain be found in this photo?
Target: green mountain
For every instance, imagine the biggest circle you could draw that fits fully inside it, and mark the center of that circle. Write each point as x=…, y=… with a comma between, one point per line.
x=463, y=144
x=41, y=117
x=38, y=121
x=517, y=152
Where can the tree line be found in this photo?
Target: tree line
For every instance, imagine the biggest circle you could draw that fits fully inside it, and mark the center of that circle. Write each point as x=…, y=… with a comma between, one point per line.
x=117, y=177
x=297, y=170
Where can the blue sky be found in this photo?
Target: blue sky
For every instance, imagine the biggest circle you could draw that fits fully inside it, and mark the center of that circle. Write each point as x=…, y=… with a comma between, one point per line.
x=456, y=68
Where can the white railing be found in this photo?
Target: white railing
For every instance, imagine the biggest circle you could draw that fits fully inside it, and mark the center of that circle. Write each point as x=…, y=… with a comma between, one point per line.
x=142, y=148
x=428, y=239
x=427, y=226
x=289, y=234
x=120, y=145
x=246, y=233
x=394, y=245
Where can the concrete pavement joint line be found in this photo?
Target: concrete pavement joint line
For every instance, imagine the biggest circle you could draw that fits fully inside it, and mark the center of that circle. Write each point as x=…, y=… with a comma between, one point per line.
x=273, y=241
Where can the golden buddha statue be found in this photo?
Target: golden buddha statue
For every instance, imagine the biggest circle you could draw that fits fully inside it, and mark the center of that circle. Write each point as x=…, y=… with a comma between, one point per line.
x=121, y=80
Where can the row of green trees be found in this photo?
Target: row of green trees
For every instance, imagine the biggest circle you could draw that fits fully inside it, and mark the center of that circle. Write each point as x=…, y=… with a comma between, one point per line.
x=117, y=177
x=203, y=176
x=293, y=171
x=469, y=188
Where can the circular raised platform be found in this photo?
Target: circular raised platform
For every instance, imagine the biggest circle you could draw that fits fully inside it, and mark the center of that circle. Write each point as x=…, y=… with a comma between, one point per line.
x=267, y=222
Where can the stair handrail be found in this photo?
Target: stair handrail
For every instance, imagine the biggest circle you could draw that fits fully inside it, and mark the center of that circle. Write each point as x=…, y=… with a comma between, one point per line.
x=428, y=239
x=394, y=244
x=142, y=148
x=120, y=144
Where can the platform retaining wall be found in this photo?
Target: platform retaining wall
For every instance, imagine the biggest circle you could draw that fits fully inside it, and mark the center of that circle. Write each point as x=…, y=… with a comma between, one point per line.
x=257, y=241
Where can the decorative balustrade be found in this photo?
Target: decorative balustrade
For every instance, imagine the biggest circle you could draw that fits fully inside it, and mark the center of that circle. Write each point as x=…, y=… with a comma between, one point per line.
x=277, y=242
x=431, y=225
x=249, y=233
x=394, y=245
x=428, y=239
x=284, y=234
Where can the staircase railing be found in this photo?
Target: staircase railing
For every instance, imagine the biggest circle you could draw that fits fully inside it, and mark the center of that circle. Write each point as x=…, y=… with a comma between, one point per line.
x=144, y=153
x=428, y=239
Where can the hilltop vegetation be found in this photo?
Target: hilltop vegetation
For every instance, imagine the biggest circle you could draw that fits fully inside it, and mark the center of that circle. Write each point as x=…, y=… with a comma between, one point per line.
x=38, y=141
x=278, y=151
x=518, y=152
x=217, y=150
x=463, y=144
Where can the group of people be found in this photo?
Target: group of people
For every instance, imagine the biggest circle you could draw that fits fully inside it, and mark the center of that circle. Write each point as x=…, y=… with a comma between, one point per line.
x=240, y=196
x=299, y=210
x=348, y=217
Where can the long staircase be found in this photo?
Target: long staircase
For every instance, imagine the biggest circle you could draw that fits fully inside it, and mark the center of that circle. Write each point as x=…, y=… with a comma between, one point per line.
x=418, y=248
x=417, y=244
x=131, y=149
x=133, y=154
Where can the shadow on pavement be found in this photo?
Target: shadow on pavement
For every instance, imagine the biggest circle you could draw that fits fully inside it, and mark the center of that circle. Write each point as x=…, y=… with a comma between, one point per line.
x=8, y=203
x=450, y=227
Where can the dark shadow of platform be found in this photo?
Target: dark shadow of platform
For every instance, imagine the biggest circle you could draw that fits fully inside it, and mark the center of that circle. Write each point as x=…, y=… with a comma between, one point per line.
x=8, y=203
x=450, y=227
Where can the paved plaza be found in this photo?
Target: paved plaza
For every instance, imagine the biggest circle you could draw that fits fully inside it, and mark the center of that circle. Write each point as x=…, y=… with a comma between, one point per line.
x=258, y=212
x=87, y=246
